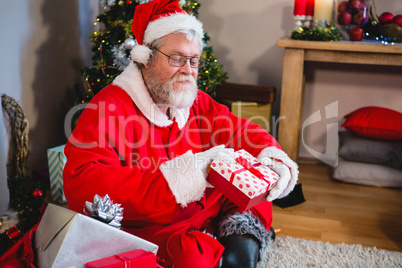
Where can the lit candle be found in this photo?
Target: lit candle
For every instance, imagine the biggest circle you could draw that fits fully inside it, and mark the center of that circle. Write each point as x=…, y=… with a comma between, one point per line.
x=323, y=10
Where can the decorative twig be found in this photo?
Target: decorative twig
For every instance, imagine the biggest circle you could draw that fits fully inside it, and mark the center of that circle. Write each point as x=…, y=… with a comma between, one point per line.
x=18, y=126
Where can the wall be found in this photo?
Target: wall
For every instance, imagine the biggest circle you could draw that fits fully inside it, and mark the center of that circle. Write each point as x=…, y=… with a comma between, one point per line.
x=244, y=35
x=44, y=44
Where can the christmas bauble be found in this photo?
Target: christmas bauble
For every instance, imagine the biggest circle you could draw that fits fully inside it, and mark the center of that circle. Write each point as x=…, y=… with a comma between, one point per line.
x=182, y=2
x=129, y=43
x=37, y=193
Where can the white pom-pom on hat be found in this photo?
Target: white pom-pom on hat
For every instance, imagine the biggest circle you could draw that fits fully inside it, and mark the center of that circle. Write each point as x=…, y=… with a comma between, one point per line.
x=141, y=54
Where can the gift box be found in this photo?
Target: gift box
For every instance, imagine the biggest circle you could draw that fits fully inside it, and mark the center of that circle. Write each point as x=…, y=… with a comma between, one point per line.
x=65, y=239
x=244, y=180
x=56, y=160
x=134, y=258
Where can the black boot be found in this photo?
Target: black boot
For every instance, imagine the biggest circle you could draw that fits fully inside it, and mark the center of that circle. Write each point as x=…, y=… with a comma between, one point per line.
x=241, y=251
x=272, y=233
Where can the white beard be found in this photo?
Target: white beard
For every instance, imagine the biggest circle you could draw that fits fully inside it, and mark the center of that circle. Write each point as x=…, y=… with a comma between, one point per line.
x=164, y=93
x=185, y=95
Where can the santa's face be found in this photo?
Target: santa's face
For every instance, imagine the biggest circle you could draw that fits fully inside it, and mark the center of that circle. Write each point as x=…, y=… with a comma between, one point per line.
x=170, y=85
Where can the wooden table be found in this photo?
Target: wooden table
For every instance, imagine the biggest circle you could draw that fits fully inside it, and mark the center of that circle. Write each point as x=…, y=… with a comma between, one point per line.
x=296, y=53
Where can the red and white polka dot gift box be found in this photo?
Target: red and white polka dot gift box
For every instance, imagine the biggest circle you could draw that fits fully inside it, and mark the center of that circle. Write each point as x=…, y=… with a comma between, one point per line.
x=244, y=180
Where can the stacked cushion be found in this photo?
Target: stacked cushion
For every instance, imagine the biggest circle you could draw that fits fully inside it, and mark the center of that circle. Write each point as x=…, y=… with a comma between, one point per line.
x=370, y=151
x=359, y=149
x=375, y=122
x=367, y=174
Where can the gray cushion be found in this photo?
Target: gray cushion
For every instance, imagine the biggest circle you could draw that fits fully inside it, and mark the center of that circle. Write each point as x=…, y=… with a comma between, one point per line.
x=355, y=148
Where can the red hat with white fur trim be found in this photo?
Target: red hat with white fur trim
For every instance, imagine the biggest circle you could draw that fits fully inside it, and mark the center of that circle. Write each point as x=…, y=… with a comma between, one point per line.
x=156, y=19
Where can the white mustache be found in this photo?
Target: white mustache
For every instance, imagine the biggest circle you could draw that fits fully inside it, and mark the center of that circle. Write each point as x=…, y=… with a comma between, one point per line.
x=183, y=78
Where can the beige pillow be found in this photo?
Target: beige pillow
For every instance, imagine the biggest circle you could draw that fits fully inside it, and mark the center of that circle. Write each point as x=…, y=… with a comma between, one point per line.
x=367, y=174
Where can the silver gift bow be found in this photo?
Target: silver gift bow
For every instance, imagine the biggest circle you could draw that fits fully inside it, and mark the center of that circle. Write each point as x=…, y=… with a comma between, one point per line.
x=104, y=210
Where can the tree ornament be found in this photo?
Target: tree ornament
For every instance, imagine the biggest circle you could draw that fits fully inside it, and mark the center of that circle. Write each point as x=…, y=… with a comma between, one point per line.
x=37, y=193
x=129, y=43
x=14, y=233
x=121, y=59
x=106, y=3
x=182, y=2
x=121, y=3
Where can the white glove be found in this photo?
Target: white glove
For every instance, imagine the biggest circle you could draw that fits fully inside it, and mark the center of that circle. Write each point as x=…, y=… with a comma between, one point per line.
x=285, y=167
x=186, y=174
x=203, y=159
x=284, y=178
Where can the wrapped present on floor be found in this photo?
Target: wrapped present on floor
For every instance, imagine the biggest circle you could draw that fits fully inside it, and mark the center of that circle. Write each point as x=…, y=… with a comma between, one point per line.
x=134, y=258
x=244, y=180
x=68, y=239
x=56, y=160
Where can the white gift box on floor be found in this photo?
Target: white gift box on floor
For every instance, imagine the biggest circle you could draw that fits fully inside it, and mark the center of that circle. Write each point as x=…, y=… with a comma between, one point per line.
x=68, y=239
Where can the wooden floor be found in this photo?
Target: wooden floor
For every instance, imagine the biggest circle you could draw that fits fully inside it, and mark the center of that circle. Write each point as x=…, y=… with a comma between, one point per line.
x=337, y=212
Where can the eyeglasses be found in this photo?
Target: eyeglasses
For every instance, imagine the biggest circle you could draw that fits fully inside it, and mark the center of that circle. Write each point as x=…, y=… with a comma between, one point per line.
x=177, y=60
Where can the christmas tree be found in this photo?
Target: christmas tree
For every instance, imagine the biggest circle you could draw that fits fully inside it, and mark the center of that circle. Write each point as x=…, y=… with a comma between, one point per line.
x=114, y=41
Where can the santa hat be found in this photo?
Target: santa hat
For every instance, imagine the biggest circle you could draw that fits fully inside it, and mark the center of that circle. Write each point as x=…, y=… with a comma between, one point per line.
x=156, y=19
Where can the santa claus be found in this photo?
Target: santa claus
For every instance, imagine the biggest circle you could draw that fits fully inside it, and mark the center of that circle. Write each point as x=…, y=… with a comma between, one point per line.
x=147, y=139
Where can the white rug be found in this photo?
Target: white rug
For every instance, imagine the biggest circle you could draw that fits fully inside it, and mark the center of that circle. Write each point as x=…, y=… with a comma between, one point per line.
x=295, y=252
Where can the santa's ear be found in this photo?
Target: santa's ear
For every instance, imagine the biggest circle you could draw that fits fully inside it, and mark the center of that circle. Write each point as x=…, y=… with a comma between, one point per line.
x=146, y=66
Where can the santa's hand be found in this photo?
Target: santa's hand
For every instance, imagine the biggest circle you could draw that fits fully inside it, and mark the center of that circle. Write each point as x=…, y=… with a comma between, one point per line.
x=186, y=174
x=286, y=168
x=283, y=182
x=214, y=151
x=203, y=159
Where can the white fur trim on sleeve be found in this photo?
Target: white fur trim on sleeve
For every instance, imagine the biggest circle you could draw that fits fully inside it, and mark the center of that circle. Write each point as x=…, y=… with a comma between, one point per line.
x=278, y=155
x=185, y=180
